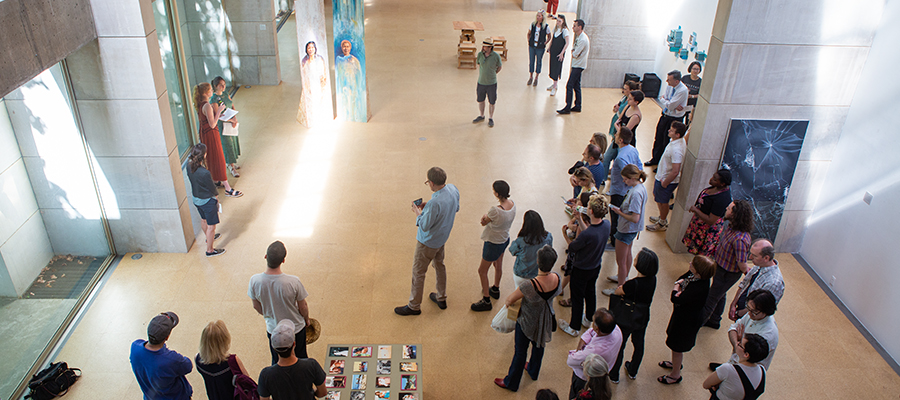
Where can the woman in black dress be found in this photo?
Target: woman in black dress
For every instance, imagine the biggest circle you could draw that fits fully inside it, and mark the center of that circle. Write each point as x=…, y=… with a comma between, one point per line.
x=688, y=298
x=559, y=42
x=215, y=364
x=639, y=290
x=631, y=116
x=692, y=82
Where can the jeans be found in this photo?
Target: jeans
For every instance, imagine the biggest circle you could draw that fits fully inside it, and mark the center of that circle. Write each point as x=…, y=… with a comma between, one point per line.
x=574, y=86
x=637, y=340
x=518, y=362
x=611, y=153
x=535, y=55
x=583, y=284
x=299, y=345
x=715, y=302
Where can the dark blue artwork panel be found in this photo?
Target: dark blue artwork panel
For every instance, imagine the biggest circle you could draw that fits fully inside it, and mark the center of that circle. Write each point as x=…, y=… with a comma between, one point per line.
x=762, y=157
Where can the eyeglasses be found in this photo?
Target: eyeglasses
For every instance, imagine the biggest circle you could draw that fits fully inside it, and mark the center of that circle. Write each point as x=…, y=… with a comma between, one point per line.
x=426, y=182
x=754, y=312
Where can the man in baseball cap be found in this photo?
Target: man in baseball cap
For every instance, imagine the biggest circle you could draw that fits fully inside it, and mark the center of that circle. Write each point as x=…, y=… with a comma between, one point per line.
x=159, y=371
x=290, y=377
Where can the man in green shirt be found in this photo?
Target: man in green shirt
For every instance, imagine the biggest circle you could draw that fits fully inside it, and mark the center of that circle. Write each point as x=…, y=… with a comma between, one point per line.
x=489, y=65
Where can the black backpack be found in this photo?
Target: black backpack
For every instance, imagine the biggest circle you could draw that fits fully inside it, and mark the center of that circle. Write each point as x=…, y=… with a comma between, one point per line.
x=53, y=381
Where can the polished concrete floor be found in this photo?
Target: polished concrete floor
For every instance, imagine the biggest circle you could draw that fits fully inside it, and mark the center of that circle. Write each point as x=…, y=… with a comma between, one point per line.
x=339, y=198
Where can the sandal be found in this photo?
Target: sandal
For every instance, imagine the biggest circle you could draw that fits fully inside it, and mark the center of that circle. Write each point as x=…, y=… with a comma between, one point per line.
x=234, y=193
x=668, y=380
x=668, y=365
x=565, y=302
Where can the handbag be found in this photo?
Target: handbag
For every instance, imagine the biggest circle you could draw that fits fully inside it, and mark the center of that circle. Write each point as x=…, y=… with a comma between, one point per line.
x=630, y=315
x=53, y=381
x=244, y=386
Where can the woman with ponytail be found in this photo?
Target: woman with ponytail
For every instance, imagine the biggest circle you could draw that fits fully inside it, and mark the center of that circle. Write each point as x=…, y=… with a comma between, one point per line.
x=209, y=135
x=204, y=192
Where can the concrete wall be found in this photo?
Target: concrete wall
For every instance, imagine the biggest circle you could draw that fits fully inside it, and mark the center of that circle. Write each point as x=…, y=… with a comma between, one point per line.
x=24, y=245
x=65, y=26
x=765, y=63
x=621, y=42
x=120, y=90
x=849, y=243
x=234, y=39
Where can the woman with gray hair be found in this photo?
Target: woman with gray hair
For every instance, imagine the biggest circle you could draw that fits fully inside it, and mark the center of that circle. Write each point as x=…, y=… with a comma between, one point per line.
x=534, y=325
x=596, y=369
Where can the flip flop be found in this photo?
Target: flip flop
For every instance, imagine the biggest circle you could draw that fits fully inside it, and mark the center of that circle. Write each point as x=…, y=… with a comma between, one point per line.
x=666, y=380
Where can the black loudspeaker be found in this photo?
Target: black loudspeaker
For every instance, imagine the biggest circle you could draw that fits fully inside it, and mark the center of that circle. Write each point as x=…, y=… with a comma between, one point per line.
x=631, y=77
x=650, y=85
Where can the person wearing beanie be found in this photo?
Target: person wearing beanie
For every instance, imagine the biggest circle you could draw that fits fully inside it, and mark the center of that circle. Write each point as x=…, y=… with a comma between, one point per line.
x=160, y=372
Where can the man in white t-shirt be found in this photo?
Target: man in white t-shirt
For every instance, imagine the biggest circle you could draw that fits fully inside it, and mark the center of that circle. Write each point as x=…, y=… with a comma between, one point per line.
x=668, y=175
x=277, y=296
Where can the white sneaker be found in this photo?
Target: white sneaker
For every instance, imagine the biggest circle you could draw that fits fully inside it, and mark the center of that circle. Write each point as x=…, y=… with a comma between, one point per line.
x=613, y=278
x=564, y=326
x=608, y=292
x=549, y=88
x=654, y=219
x=585, y=322
x=553, y=92
x=660, y=226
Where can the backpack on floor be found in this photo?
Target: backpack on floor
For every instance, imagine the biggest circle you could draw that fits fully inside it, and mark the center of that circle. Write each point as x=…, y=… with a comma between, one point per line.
x=53, y=381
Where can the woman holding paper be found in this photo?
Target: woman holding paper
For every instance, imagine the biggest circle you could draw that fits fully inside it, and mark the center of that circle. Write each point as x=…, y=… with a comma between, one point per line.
x=209, y=135
x=231, y=147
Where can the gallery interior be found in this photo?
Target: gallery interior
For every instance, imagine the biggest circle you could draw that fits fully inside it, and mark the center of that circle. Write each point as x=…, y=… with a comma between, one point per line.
x=98, y=232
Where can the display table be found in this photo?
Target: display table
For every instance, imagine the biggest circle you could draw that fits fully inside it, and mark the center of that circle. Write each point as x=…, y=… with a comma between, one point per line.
x=468, y=29
x=373, y=372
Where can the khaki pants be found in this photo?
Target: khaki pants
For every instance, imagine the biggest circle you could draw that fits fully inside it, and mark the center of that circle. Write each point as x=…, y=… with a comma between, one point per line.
x=423, y=257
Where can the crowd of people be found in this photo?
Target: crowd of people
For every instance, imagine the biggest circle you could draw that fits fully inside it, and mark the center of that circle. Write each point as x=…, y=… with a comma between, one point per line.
x=607, y=212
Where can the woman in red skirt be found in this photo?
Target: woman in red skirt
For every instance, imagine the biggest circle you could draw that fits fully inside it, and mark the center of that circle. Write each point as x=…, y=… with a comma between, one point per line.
x=209, y=135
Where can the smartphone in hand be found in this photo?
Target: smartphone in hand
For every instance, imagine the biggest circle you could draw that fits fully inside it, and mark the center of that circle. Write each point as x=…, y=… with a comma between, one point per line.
x=418, y=202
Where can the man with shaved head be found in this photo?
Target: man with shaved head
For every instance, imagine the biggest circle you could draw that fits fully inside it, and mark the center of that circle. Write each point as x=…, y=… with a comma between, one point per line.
x=764, y=275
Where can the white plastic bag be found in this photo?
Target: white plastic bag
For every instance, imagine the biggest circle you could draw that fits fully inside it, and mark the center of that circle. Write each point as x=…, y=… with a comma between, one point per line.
x=501, y=323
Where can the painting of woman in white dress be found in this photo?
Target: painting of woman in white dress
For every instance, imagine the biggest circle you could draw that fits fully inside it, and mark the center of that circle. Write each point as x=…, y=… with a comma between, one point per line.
x=315, y=101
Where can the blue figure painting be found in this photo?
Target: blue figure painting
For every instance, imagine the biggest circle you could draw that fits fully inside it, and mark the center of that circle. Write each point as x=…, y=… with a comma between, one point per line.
x=350, y=60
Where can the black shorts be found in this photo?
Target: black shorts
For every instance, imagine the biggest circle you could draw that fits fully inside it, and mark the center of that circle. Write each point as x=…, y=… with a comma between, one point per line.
x=209, y=211
x=487, y=90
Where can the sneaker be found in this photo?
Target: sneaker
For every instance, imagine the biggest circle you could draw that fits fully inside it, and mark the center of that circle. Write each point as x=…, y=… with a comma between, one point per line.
x=441, y=304
x=608, y=292
x=491, y=123
x=553, y=92
x=613, y=278
x=658, y=227
x=584, y=321
x=215, y=252
x=613, y=379
x=494, y=292
x=478, y=119
x=564, y=326
x=529, y=82
x=654, y=219
x=535, y=81
x=482, y=305
x=628, y=371
x=405, y=310
x=551, y=87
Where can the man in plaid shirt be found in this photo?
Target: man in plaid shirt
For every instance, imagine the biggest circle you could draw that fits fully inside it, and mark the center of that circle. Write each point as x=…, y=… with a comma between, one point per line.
x=731, y=256
x=765, y=275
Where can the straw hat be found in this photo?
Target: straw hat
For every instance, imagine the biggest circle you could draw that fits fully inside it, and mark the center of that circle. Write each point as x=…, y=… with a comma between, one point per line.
x=313, y=330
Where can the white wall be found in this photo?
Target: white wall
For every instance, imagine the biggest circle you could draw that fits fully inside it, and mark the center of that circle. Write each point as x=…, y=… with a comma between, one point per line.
x=693, y=16
x=24, y=245
x=845, y=238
